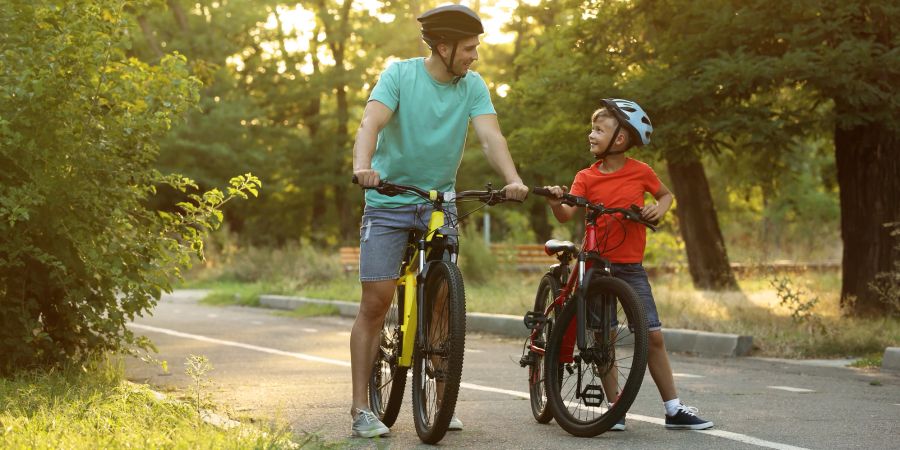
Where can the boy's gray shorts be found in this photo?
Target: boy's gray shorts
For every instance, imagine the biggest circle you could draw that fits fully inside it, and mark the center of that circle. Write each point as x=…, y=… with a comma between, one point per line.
x=383, y=236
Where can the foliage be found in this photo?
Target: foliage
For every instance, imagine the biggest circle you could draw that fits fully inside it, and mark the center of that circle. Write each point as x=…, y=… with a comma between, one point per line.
x=476, y=261
x=197, y=367
x=79, y=120
x=886, y=285
x=798, y=302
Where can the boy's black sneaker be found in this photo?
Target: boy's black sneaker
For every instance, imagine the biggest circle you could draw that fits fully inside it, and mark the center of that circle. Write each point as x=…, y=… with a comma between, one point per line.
x=686, y=418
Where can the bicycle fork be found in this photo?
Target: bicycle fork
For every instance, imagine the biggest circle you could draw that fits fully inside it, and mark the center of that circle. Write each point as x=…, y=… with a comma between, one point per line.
x=591, y=394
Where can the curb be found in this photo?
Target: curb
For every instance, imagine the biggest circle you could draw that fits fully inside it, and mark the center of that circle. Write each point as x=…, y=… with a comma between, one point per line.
x=701, y=343
x=891, y=359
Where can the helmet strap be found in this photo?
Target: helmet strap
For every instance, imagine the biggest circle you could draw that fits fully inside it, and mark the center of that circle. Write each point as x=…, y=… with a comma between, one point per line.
x=606, y=152
x=449, y=65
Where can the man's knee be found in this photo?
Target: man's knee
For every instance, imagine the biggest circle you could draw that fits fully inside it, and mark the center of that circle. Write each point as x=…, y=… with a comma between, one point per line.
x=376, y=298
x=656, y=341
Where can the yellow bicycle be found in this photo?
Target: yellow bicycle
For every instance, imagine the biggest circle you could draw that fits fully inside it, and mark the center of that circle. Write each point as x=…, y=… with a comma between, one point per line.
x=426, y=324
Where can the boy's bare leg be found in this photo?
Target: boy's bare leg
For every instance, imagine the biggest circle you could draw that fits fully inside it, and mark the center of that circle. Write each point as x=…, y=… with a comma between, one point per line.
x=660, y=369
x=365, y=335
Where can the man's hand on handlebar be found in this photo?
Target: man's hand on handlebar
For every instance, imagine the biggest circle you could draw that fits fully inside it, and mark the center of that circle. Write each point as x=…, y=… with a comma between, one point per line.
x=515, y=191
x=367, y=177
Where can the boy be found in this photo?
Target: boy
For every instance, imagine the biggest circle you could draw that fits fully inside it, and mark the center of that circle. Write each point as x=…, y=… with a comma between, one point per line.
x=618, y=182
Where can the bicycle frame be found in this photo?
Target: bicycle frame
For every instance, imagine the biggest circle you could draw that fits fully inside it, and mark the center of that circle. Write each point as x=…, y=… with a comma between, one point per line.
x=585, y=261
x=412, y=283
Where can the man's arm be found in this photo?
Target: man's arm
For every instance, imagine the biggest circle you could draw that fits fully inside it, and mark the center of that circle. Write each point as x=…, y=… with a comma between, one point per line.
x=494, y=145
x=375, y=117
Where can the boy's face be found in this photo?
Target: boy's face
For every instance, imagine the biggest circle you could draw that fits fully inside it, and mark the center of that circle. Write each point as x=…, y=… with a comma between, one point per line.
x=601, y=133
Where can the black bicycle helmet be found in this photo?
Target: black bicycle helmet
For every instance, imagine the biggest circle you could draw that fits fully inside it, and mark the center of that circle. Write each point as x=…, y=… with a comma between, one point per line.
x=449, y=23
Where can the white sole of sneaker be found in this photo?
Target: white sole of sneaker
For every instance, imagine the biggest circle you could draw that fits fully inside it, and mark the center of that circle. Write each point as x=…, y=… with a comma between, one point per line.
x=701, y=426
x=371, y=433
x=618, y=427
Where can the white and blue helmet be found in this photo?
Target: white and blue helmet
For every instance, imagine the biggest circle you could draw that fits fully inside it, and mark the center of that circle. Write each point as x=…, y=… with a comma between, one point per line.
x=632, y=116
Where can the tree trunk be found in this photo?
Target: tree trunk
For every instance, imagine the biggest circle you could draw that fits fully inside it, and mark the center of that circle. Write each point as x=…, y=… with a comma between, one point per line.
x=180, y=16
x=152, y=42
x=543, y=230
x=868, y=168
x=707, y=257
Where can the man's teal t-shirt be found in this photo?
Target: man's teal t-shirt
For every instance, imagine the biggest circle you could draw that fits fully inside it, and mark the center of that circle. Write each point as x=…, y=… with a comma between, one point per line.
x=422, y=144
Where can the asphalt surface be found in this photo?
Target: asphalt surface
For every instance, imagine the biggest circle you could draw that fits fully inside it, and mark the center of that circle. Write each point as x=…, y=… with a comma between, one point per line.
x=274, y=368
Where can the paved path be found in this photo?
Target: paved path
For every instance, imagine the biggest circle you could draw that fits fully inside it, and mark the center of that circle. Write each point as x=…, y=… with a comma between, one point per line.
x=297, y=370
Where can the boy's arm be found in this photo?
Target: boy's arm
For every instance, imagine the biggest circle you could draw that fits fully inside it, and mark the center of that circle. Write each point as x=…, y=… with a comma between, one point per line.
x=375, y=117
x=664, y=199
x=494, y=145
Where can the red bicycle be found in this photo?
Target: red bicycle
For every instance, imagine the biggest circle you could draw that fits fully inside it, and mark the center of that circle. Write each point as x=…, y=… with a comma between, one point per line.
x=587, y=352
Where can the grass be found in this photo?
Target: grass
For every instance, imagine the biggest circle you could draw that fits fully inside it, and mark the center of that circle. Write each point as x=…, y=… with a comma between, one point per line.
x=756, y=310
x=94, y=407
x=311, y=310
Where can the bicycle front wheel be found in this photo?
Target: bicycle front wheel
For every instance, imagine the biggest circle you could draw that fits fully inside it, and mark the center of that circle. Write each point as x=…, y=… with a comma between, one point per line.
x=547, y=291
x=590, y=389
x=437, y=369
x=388, y=378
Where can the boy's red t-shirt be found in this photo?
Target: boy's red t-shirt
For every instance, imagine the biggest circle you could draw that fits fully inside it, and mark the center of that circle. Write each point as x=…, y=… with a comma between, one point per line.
x=623, y=240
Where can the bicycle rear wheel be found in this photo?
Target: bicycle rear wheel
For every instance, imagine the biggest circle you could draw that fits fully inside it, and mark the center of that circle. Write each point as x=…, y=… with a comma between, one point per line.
x=547, y=291
x=438, y=362
x=608, y=370
x=388, y=380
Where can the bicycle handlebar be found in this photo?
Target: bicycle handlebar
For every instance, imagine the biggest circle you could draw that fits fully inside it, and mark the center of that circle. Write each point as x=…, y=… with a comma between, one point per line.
x=632, y=213
x=490, y=196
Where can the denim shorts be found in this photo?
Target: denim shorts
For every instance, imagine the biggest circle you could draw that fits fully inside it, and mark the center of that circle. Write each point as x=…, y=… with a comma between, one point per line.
x=636, y=277
x=383, y=236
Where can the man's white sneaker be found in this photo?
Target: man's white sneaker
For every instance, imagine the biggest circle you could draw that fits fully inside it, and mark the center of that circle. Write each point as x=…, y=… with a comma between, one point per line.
x=455, y=424
x=366, y=424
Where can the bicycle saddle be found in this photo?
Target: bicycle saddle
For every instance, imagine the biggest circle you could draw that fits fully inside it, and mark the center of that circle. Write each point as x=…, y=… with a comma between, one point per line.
x=554, y=246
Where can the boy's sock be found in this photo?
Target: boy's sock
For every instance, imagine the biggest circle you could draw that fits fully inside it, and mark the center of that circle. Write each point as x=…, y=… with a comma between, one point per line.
x=672, y=406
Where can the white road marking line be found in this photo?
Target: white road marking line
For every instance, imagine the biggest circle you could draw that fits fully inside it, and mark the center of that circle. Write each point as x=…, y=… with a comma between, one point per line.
x=212, y=316
x=309, y=330
x=654, y=420
x=791, y=389
x=687, y=375
x=257, y=348
x=472, y=350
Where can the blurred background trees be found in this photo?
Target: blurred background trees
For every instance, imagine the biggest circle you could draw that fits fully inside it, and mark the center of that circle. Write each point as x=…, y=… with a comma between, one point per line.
x=775, y=124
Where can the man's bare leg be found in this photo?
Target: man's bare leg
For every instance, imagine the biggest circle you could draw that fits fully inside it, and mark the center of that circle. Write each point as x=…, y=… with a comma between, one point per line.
x=365, y=336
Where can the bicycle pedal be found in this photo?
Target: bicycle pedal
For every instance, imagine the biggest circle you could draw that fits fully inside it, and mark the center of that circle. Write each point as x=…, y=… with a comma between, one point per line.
x=527, y=360
x=533, y=319
x=592, y=395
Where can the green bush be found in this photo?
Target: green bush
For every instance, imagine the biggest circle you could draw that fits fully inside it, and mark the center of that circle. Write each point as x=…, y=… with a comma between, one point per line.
x=476, y=261
x=81, y=253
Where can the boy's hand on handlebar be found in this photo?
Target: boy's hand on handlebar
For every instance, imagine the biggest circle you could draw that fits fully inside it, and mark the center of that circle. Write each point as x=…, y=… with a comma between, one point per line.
x=652, y=213
x=515, y=191
x=558, y=191
x=367, y=177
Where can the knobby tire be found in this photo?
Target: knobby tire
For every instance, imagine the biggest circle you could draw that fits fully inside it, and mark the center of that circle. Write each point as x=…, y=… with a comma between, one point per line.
x=388, y=380
x=441, y=356
x=630, y=356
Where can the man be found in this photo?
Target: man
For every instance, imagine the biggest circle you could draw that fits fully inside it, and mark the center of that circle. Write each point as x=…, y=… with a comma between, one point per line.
x=413, y=132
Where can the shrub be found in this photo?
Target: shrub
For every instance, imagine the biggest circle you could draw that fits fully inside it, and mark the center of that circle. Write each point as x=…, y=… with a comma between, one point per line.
x=81, y=253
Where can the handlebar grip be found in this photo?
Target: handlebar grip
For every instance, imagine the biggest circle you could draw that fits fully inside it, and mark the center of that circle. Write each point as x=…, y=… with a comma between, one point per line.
x=542, y=191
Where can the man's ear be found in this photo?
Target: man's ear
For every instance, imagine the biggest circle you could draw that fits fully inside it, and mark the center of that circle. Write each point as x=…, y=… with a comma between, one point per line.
x=443, y=49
